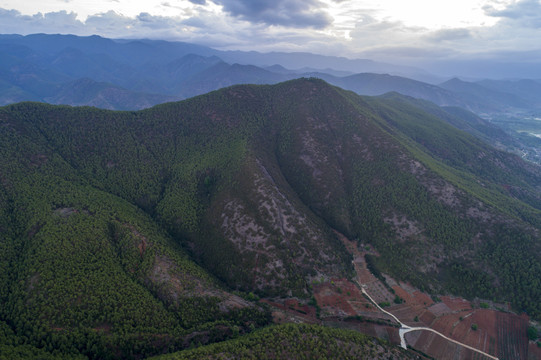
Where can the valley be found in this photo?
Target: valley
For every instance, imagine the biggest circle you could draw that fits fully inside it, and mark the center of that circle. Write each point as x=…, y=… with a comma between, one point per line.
x=525, y=128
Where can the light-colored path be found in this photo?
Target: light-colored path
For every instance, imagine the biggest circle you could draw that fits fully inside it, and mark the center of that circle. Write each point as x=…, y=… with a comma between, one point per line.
x=381, y=309
x=404, y=329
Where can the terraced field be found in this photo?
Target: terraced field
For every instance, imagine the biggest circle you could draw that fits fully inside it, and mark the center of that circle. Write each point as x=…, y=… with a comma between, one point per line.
x=341, y=304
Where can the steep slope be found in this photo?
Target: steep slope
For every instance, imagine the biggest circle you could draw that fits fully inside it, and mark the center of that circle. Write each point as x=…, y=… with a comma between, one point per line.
x=464, y=120
x=107, y=210
x=89, y=272
x=416, y=193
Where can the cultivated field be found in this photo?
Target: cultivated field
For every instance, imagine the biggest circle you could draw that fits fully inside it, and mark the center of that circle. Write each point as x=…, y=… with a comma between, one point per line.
x=340, y=303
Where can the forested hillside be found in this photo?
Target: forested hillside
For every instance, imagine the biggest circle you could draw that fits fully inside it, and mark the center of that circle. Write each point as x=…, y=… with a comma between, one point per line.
x=129, y=234
x=294, y=341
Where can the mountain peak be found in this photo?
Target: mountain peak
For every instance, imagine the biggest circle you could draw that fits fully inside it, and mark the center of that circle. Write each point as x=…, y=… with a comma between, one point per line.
x=137, y=226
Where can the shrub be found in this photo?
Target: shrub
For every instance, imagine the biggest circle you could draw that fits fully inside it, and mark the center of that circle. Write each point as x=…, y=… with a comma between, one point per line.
x=483, y=305
x=532, y=333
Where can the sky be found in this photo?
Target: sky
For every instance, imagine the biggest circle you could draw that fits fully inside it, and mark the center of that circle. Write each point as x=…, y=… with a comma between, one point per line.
x=398, y=31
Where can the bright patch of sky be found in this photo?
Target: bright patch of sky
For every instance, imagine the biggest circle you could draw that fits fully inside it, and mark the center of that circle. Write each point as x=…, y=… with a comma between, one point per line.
x=420, y=13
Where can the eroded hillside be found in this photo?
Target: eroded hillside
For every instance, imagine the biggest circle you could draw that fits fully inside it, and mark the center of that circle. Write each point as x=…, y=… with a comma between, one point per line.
x=121, y=223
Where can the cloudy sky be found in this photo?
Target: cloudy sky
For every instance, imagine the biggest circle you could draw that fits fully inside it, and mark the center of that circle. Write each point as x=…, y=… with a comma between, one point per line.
x=403, y=31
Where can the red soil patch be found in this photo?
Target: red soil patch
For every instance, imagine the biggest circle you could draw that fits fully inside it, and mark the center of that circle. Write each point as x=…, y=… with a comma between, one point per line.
x=422, y=298
x=388, y=333
x=339, y=298
x=440, y=309
x=534, y=351
x=442, y=349
x=427, y=318
x=403, y=294
x=292, y=307
x=343, y=305
x=499, y=334
x=512, y=336
x=446, y=324
x=455, y=303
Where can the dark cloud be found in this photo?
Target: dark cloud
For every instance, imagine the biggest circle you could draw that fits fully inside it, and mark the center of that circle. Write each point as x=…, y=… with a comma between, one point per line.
x=526, y=13
x=291, y=13
x=520, y=9
x=12, y=21
x=199, y=2
x=107, y=23
x=206, y=28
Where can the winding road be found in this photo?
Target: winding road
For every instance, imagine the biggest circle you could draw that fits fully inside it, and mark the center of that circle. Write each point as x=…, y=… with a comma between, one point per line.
x=404, y=329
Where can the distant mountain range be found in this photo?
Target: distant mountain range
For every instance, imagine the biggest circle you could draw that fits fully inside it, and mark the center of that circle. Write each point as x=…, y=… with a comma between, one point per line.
x=66, y=69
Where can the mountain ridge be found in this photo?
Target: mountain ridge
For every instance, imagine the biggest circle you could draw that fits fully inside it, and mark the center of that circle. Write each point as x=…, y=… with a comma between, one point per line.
x=258, y=177
x=181, y=70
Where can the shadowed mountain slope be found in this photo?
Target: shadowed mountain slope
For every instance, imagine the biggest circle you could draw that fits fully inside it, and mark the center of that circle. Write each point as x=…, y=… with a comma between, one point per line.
x=527, y=89
x=484, y=98
x=106, y=214
x=104, y=95
x=43, y=67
